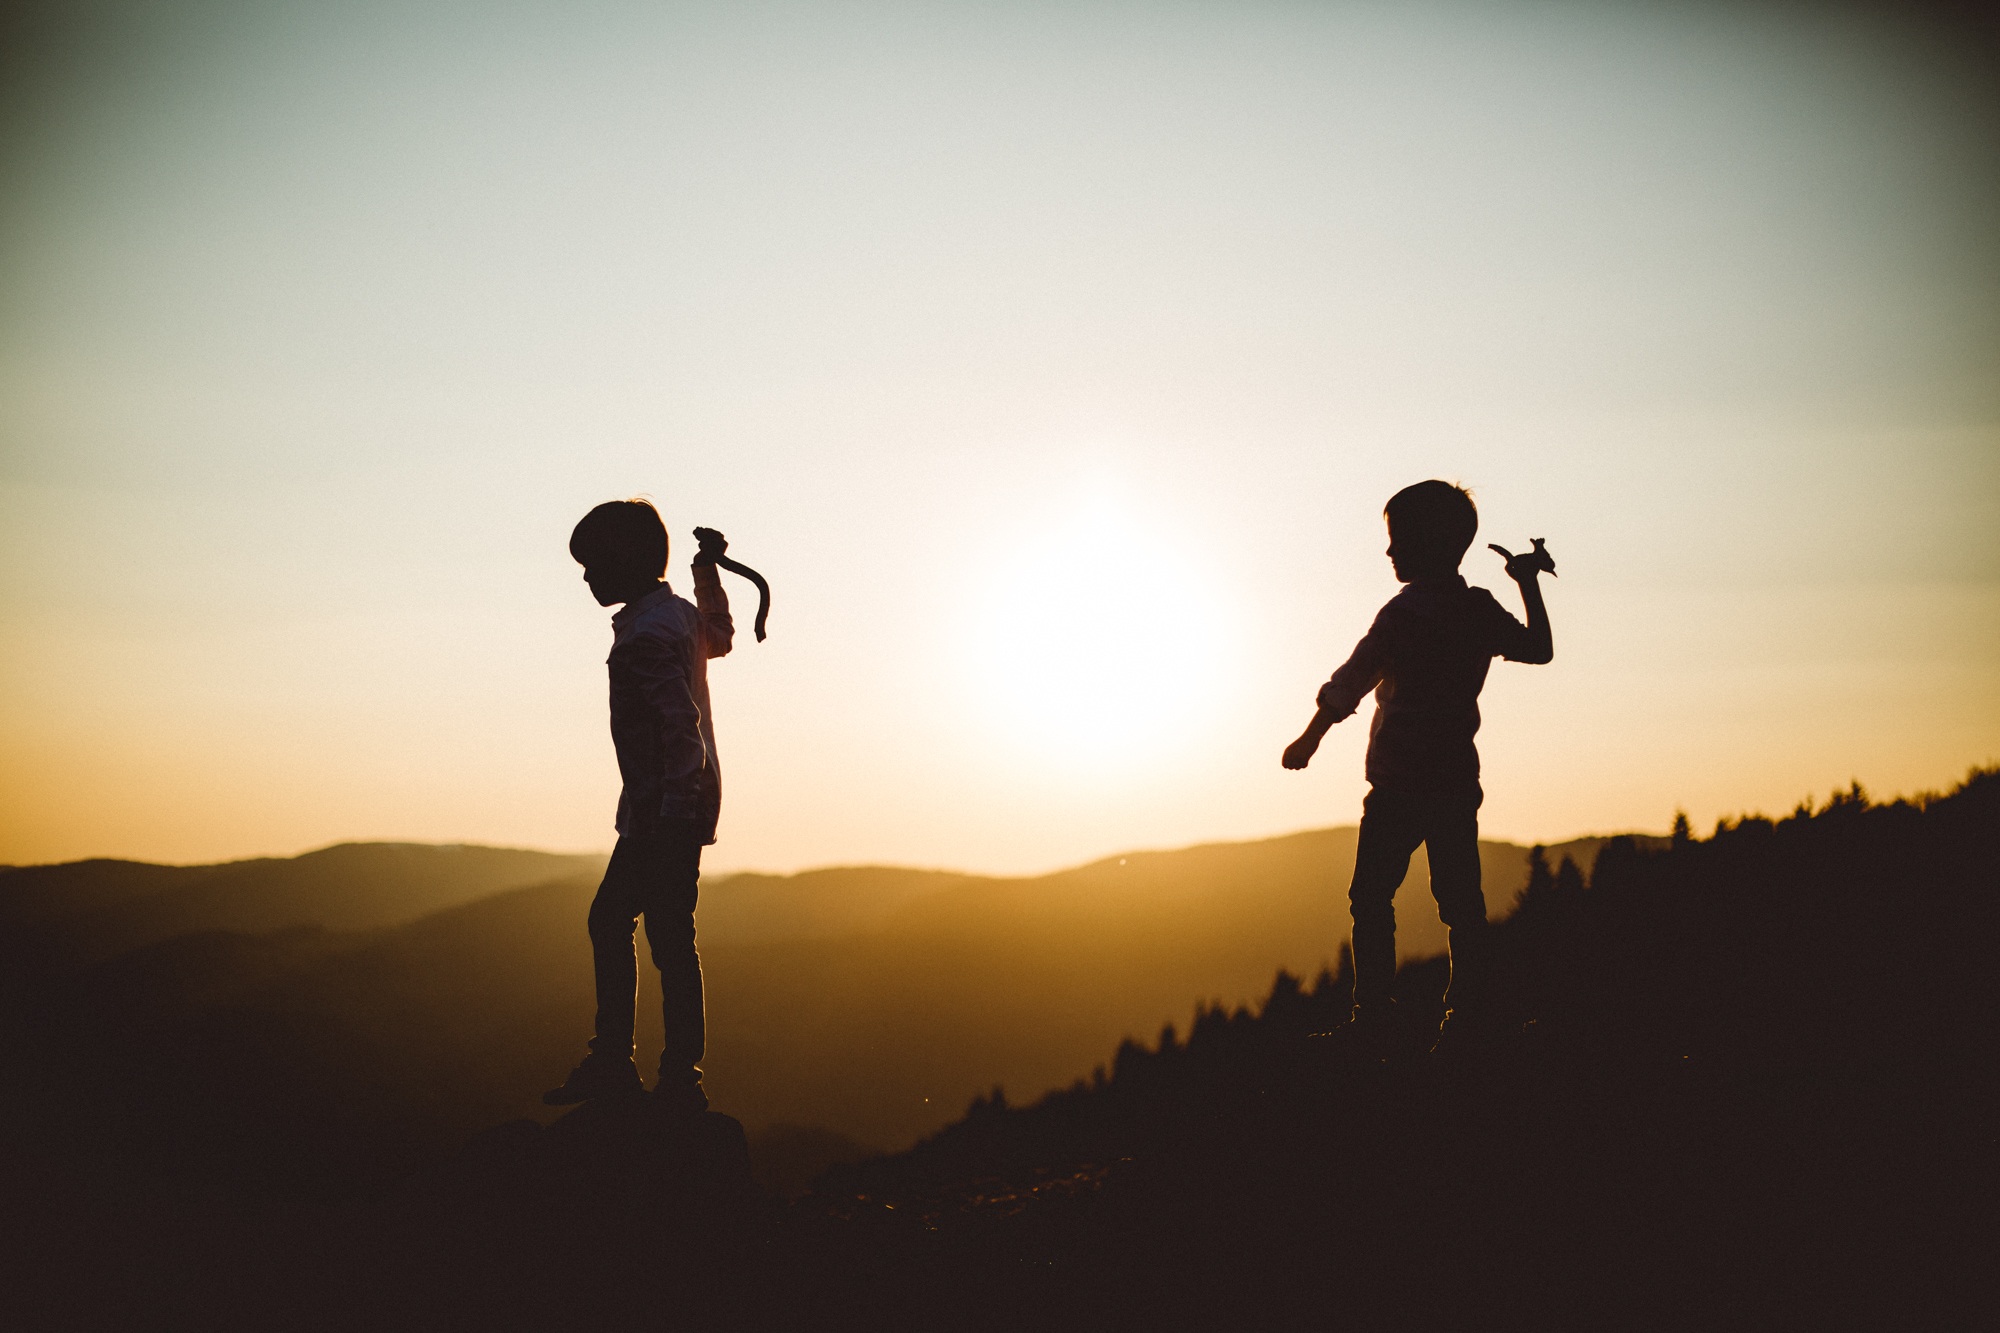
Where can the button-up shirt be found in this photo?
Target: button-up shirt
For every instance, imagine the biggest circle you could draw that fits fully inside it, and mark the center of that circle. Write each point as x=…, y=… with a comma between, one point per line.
x=1426, y=657
x=660, y=719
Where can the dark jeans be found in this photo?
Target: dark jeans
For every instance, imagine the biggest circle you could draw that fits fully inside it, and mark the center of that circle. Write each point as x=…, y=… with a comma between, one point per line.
x=654, y=875
x=1393, y=823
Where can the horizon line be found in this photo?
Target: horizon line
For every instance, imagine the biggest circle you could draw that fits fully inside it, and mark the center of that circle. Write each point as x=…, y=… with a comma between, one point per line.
x=604, y=853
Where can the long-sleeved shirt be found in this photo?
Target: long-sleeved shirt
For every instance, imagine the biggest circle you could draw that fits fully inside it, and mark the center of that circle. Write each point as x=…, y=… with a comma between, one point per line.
x=1426, y=657
x=660, y=719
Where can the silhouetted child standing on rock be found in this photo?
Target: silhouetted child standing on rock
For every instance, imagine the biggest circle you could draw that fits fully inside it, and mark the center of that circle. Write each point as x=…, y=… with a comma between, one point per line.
x=1426, y=657
x=665, y=738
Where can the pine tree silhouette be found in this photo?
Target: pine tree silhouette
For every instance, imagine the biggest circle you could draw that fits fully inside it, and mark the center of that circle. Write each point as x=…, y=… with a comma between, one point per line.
x=1536, y=891
x=1706, y=1108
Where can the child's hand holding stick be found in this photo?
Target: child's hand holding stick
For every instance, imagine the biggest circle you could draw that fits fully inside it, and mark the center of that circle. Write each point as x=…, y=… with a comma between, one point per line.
x=714, y=551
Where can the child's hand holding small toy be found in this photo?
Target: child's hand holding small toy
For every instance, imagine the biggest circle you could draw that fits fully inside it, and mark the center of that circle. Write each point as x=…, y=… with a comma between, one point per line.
x=1522, y=568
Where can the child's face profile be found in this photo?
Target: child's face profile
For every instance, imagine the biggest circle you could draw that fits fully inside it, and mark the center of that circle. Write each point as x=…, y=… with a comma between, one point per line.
x=611, y=584
x=1412, y=561
x=600, y=583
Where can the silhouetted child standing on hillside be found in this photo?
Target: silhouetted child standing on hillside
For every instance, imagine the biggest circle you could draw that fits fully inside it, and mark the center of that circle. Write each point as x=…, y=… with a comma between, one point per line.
x=665, y=738
x=1426, y=657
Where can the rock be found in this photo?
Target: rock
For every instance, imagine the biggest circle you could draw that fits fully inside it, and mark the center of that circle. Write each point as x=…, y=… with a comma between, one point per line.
x=625, y=1154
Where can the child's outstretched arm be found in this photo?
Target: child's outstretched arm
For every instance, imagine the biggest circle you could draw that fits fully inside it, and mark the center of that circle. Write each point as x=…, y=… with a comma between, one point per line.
x=1300, y=752
x=1340, y=696
x=1539, y=648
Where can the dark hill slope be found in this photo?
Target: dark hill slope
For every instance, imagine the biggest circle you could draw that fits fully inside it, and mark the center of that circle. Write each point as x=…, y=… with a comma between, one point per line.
x=870, y=1001
x=86, y=910
x=33, y=895
x=306, y=1058
x=1027, y=982
x=832, y=903
x=1218, y=882
x=1745, y=1082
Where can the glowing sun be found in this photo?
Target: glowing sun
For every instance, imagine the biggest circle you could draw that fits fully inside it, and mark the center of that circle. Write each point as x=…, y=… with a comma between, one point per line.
x=1098, y=641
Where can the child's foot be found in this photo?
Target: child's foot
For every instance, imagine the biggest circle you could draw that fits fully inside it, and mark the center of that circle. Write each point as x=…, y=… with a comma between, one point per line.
x=680, y=1096
x=1461, y=1034
x=597, y=1077
x=1368, y=1032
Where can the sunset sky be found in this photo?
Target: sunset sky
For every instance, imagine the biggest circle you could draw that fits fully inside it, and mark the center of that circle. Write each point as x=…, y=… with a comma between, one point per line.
x=1053, y=361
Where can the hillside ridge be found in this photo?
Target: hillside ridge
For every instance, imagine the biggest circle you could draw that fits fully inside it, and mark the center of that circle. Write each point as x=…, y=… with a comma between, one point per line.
x=1732, y=1081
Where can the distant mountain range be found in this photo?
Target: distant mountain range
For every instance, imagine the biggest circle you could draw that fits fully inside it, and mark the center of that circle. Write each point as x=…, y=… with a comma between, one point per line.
x=94, y=909
x=381, y=999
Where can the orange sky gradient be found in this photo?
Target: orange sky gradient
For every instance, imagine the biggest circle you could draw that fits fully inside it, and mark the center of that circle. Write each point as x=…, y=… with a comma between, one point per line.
x=1054, y=364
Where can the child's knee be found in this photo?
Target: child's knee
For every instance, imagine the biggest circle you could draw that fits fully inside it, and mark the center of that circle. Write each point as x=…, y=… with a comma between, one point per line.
x=606, y=922
x=1372, y=909
x=1464, y=918
x=671, y=941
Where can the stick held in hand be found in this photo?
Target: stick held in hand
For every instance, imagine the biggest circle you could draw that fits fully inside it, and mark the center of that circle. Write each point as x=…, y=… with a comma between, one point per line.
x=713, y=545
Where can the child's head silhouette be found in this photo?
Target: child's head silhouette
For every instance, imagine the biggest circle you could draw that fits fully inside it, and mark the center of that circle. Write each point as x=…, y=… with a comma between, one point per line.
x=1430, y=526
x=622, y=546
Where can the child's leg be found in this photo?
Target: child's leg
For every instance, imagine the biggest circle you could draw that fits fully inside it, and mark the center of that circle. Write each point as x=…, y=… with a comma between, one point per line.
x=614, y=912
x=1390, y=831
x=670, y=902
x=1451, y=838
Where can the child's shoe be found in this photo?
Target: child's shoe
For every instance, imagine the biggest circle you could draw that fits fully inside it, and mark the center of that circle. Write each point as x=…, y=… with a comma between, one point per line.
x=1463, y=1033
x=1369, y=1032
x=599, y=1076
x=680, y=1096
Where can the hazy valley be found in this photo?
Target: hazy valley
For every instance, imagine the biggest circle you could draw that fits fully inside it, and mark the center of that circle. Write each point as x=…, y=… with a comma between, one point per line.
x=381, y=1000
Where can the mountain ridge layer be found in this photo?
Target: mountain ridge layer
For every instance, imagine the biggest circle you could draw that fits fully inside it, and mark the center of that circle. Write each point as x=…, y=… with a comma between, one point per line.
x=871, y=1002
x=104, y=905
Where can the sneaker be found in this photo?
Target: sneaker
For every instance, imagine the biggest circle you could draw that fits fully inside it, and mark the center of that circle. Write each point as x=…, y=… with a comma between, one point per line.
x=597, y=1077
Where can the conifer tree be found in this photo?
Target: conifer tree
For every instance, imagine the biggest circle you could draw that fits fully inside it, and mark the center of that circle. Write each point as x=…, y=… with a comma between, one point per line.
x=1569, y=882
x=1536, y=890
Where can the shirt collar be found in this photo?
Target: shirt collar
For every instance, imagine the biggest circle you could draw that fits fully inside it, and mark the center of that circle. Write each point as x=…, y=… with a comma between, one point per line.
x=637, y=604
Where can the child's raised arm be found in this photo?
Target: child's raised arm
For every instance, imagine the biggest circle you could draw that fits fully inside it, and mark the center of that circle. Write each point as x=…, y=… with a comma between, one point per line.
x=1540, y=647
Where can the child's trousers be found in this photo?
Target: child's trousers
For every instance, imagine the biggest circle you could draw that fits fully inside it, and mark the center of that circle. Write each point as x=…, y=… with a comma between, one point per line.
x=1394, y=822
x=655, y=875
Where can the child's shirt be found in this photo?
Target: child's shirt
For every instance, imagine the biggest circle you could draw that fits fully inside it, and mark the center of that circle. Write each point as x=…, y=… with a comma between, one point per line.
x=1426, y=657
x=660, y=720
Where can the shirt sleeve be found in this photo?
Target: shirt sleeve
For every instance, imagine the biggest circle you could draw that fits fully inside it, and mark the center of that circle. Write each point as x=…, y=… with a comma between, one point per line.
x=718, y=630
x=1360, y=673
x=659, y=666
x=1506, y=636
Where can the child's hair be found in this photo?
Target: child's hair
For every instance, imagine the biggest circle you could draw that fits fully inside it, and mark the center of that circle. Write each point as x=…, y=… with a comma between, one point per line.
x=1436, y=519
x=624, y=535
